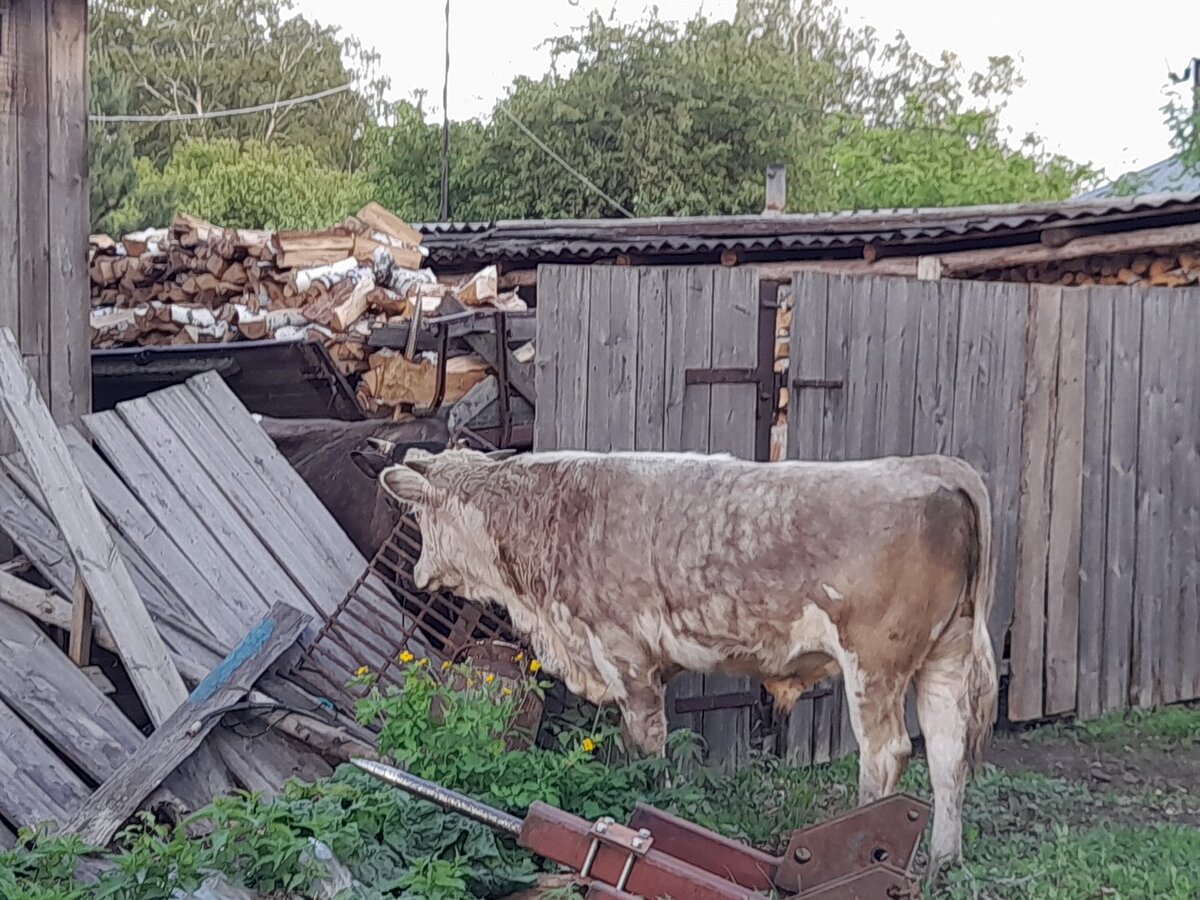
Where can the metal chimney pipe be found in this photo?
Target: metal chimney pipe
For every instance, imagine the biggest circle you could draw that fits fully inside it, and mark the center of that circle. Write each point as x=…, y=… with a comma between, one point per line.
x=776, y=189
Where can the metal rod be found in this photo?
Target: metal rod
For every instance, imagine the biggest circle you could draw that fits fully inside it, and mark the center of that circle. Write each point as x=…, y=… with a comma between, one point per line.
x=414, y=326
x=444, y=797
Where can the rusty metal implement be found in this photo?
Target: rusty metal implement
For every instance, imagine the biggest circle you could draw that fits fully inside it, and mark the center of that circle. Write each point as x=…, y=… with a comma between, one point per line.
x=864, y=854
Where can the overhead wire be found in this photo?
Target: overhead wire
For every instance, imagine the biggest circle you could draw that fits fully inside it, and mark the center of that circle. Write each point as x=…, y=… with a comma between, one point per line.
x=224, y=113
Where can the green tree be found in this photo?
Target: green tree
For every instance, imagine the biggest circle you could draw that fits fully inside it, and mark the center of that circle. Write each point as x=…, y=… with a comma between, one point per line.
x=1182, y=113
x=183, y=57
x=113, y=176
x=673, y=119
x=243, y=184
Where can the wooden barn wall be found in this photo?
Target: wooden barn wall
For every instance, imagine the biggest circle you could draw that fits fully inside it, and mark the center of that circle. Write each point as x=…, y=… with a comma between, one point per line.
x=44, y=216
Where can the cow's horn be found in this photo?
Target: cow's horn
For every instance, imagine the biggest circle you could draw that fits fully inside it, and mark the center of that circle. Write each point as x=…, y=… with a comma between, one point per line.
x=501, y=454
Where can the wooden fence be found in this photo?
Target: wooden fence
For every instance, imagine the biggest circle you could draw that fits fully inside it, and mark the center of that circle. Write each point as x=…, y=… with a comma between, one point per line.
x=1079, y=406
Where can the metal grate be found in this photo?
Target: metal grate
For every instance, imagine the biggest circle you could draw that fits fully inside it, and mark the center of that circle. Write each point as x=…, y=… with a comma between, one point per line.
x=384, y=614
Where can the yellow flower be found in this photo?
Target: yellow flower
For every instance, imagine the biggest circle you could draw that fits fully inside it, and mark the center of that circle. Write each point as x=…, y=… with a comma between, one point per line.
x=535, y=666
x=490, y=678
x=361, y=671
x=507, y=692
x=589, y=746
x=446, y=666
x=422, y=662
x=406, y=657
x=518, y=657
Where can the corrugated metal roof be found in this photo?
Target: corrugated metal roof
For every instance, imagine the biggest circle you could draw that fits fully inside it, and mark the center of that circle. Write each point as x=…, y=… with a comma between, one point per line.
x=806, y=234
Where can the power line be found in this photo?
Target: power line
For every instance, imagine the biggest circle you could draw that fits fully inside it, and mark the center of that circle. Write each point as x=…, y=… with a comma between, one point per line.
x=562, y=162
x=224, y=113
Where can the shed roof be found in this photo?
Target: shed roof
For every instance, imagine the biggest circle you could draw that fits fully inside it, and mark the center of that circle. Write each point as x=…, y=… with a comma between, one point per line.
x=519, y=243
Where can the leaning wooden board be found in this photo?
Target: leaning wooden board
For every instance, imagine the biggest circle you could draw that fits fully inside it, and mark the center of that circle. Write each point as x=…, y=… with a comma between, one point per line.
x=103, y=571
x=97, y=819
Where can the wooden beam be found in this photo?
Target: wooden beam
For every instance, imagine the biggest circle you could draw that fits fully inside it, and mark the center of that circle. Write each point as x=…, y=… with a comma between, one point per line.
x=520, y=375
x=82, y=625
x=972, y=261
x=182, y=733
x=96, y=556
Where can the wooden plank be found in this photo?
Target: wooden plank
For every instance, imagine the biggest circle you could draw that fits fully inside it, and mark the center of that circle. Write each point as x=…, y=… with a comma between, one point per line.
x=650, y=403
x=811, y=296
x=1150, y=583
x=69, y=210
x=82, y=624
x=732, y=417
x=1181, y=477
x=46, y=606
x=1121, y=526
x=622, y=355
x=599, y=357
x=1009, y=305
x=547, y=356
x=32, y=198
x=901, y=343
x=1025, y=688
x=572, y=361
x=10, y=225
x=1185, y=319
x=214, y=396
x=868, y=309
x=223, y=616
x=806, y=362
x=1092, y=535
x=240, y=545
x=108, y=580
x=38, y=786
x=176, y=739
x=267, y=513
x=59, y=701
x=1066, y=510
x=937, y=362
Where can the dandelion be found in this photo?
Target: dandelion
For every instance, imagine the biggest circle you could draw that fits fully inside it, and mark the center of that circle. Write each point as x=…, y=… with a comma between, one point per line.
x=406, y=657
x=446, y=666
x=361, y=671
x=489, y=678
x=589, y=746
x=422, y=662
x=535, y=666
x=507, y=692
x=518, y=657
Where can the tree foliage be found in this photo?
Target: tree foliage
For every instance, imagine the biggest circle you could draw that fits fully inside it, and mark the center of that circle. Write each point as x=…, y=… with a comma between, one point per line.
x=248, y=184
x=664, y=118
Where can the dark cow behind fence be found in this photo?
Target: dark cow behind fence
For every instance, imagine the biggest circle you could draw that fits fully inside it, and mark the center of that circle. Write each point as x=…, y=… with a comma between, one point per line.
x=322, y=452
x=627, y=568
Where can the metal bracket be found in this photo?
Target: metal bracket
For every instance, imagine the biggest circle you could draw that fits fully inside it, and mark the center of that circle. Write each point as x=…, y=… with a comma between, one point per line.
x=636, y=844
x=829, y=384
x=714, y=702
x=721, y=376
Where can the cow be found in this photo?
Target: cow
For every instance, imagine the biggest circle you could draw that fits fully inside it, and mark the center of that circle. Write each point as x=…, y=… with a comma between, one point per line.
x=625, y=569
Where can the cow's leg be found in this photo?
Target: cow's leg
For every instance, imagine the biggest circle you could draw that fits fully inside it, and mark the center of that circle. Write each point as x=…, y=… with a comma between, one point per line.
x=943, y=708
x=877, y=715
x=644, y=714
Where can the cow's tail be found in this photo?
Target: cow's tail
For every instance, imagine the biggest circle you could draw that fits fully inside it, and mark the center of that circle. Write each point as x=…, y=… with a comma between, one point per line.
x=982, y=679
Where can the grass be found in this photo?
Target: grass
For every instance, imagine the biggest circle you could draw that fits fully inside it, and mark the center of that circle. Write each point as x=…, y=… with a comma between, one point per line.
x=1027, y=834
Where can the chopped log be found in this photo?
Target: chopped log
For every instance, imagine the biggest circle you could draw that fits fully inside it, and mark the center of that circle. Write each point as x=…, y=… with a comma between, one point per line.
x=394, y=380
x=377, y=218
x=305, y=249
x=481, y=288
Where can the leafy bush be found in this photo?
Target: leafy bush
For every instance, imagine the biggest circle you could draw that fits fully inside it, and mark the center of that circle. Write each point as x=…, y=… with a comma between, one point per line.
x=242, y=184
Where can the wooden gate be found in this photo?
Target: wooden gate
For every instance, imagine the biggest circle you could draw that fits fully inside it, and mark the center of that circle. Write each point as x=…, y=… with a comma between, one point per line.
x=661, y=359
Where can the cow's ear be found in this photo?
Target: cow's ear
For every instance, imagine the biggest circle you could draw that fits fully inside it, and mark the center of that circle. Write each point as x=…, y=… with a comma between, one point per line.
x=407, y=485
x=418, y=460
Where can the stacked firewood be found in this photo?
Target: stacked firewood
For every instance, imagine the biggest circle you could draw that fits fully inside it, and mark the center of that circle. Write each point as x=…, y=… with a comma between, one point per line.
x=196, y=282
x=1169, y=268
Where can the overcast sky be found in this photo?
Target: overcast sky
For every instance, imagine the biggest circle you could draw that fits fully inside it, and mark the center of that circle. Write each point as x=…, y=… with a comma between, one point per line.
x=1095, y=70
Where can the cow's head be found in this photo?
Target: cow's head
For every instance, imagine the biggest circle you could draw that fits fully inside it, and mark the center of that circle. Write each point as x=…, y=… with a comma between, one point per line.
x=447, y=493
